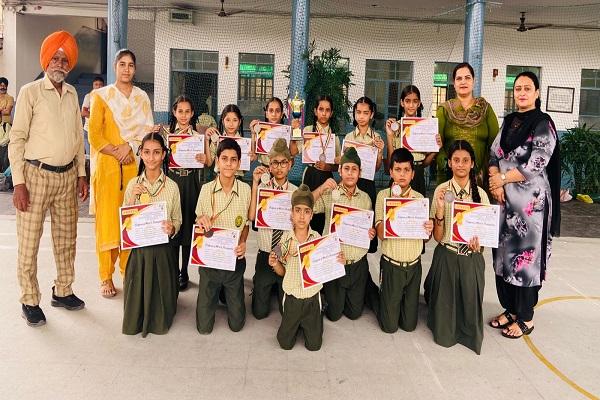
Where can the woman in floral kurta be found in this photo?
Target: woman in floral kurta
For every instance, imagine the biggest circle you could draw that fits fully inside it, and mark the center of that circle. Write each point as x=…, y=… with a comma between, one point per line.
x=522, y=167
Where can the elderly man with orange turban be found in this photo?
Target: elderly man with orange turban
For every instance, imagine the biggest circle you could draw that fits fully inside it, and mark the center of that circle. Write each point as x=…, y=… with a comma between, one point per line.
x=48, y=166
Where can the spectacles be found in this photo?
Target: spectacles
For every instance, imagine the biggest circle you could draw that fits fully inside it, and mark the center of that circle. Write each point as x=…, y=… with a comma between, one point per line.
x=279, y=164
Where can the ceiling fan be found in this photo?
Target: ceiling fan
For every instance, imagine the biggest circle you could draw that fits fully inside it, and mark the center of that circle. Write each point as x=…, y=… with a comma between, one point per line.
x=524, y=28
x=223, y=13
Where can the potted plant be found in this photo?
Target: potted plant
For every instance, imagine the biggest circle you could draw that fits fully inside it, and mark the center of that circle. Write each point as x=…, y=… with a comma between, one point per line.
x=580, y=158
x=327, y=76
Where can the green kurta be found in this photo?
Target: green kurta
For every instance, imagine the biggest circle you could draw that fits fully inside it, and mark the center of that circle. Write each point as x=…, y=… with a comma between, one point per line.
x=478, y=125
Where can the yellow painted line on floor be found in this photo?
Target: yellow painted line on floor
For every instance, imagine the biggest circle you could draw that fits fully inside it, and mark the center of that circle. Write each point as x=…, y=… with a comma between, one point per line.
x=545, y=361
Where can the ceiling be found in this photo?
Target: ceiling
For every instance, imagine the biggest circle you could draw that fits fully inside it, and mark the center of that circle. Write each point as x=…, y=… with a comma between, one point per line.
x=573, y=14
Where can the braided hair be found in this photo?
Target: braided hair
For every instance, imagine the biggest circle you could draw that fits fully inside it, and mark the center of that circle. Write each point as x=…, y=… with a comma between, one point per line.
x=173, y=119
x=466, y=146
x=156, y=137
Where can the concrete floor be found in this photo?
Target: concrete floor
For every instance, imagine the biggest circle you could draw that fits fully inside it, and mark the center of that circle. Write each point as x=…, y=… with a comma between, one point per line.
x=83, y=355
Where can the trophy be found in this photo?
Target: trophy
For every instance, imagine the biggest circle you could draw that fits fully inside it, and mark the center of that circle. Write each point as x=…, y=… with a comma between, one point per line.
x=296, y=111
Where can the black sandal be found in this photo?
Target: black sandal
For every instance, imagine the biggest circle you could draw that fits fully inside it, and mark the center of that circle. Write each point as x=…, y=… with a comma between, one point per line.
x=506, y=315
x=525, y=330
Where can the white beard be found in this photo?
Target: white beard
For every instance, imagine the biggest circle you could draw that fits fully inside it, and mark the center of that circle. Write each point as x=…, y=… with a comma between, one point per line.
x=57, y=76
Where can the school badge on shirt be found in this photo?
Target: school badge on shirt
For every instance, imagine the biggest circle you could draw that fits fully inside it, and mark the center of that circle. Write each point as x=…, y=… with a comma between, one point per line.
x=238, y=221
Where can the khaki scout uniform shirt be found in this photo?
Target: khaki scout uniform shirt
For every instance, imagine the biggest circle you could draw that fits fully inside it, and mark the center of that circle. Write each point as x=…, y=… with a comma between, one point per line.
x=456, y=189
x=265, y=236
x=358, y=200
x=47, y=127
x=401, y=250
x=168, y=193
x=227, y=210
x=292, y=280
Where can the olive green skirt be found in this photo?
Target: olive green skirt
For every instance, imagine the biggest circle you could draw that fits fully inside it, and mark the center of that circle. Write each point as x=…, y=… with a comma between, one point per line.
x=150, y=290
x=454, y=296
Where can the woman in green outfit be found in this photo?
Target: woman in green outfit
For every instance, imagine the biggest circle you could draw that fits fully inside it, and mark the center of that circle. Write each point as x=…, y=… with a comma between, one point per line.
x=150, y=286
x=468, y=118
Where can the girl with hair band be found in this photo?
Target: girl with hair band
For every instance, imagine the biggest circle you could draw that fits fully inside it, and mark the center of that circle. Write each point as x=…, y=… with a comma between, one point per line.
x=182, y=121
x=469, y=118
x=230, y=124
x=363, y=116
x=274, y=114
x=120, y=116
x=525, y=181
x=316, y=174
x=455, y=282
x=150, y=285
x=410, y=106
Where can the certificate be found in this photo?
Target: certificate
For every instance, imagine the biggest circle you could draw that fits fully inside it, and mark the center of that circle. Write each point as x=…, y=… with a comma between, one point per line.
x=269, y=133
x=273, y=209
x=319, y=260
x=141, y=225
x=419, y=134
x=184, y=149
x=216, y=251
x=351, y=225
x=404, y=218
x=314, y=142
x=474, y=219
x=245, y=145
x=368, y=158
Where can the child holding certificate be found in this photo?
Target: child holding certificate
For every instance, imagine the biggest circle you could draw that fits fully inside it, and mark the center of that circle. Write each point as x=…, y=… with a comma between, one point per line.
x=454, y=284
x=316, y=174
x=301, y=307
x=150, y=285
x=411, y=106
x=265, y=280
x=183, y=119
x=230, y=124
x=400, y=264
x=223, y=203
x=364, y=113
x=346, y=295
x=274, y=114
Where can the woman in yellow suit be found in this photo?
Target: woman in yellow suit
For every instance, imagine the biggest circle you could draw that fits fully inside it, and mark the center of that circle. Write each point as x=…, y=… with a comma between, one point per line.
x=120, y=116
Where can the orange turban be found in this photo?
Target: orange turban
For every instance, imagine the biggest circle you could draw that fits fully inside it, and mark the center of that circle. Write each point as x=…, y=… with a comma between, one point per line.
x=55, y=41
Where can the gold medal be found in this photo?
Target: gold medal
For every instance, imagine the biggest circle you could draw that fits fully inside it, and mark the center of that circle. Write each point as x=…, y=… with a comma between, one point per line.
x=396, y=190
x=395, y=126
x=144, y=198
x=238, y=221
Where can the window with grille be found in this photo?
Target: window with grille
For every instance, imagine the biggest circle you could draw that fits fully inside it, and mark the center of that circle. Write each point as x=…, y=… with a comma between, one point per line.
x=255, y=84
x=589, y=99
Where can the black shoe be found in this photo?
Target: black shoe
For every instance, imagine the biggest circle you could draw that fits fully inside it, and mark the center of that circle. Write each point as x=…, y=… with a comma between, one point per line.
x=33, y=315
x=70, y=302
x=183, y=283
